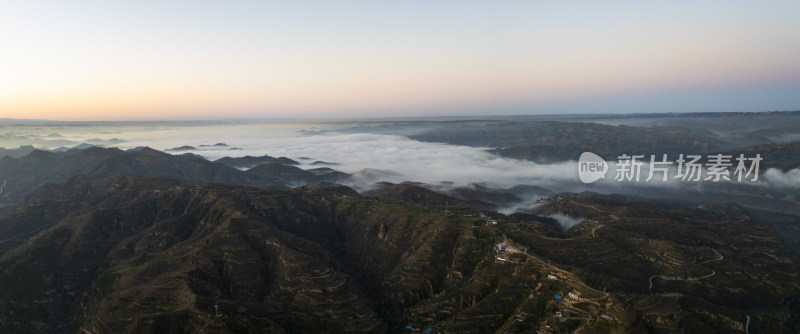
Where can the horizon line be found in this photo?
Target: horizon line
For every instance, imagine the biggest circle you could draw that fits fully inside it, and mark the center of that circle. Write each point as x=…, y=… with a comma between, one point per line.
x=9, y=120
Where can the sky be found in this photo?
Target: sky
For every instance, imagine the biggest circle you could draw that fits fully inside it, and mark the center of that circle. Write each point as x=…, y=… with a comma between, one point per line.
x=157, y=60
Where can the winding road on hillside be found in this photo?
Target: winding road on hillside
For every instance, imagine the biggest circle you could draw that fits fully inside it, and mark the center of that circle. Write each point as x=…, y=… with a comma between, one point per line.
x=747, y=325
x=718, y=254
x=563, y=272
x=668, y=278
x=594, y=235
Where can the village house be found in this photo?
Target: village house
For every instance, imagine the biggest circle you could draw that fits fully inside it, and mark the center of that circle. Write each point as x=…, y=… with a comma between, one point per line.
x=574, y=295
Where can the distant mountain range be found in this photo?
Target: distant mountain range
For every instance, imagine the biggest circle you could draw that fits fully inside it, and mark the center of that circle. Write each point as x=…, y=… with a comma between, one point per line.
x=549, y=141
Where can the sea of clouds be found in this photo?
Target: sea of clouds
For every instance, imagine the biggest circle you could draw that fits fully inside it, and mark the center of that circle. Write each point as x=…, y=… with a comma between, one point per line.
x=371, y=156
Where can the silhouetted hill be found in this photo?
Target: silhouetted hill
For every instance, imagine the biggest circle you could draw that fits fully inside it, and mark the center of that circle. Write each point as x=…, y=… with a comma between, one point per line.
x=413, y=193
x=16, y=152
x=251, y=161
x=282, y=172
x=39, y=167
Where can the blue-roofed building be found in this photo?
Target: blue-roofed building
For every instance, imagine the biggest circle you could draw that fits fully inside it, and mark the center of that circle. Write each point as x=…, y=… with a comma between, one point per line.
x=409, y=327
x=430, y=330
x=558, y=297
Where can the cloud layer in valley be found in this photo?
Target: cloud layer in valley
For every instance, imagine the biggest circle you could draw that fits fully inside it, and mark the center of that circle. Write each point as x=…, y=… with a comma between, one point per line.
x=371, y=157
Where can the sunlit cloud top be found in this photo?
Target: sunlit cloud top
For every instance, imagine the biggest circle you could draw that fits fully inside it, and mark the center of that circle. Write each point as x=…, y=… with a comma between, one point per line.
x=107, y=60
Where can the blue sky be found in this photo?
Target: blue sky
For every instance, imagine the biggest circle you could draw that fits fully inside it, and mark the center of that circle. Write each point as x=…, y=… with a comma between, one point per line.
x=104, y=60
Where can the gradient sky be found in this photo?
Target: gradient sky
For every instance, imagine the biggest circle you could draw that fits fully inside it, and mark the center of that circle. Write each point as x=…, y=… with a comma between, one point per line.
x=120, y=60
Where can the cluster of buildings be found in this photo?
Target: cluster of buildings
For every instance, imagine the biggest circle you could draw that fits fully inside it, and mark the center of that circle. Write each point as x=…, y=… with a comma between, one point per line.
x=564, y=314
x=572, y=296
x=503, y=248
x=489, y=220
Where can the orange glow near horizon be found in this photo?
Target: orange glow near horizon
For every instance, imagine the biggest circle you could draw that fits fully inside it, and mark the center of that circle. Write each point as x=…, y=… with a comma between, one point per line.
x=141, y=60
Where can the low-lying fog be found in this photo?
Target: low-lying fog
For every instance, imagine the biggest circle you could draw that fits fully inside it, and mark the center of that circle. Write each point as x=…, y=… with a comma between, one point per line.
x=371, y=155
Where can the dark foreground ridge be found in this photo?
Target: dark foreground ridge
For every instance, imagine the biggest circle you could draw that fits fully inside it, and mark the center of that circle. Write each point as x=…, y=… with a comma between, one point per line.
x=110, y=241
